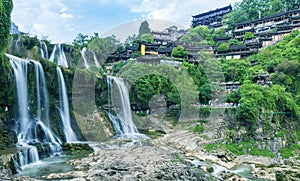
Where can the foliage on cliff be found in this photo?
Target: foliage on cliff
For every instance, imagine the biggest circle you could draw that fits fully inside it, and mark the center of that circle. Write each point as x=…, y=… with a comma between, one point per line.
x=5, y=70
x=262, y=106
x=248, y=10
x=7, y=137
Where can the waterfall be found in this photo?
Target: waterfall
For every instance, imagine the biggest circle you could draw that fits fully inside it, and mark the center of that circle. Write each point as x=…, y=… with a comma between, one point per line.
x=84, y=56
x=119, y=98
x=20, y=70
x=31, y=132
x=41, y=89
x=96, y=60
x=28, y=156
x=11, y=45
x=58, y=56
x=43, y=50
x=17, y=45
x=64, y=108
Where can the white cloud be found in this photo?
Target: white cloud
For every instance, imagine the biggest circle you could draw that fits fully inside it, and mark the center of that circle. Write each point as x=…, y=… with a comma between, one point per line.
x=43, y=17
x=62, y=21
x=38, y=27
x=174, y=10
x=66, y=15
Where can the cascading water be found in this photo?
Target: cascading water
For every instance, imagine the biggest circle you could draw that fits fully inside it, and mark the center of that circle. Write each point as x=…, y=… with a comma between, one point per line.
x=58, y=56
x=31, y=132
x=84, y=56
x=96, y=60
x=43, y=50
x=41, y=89
x=119, y=98
x=64, y=109
x=20, y=70
x=17, y=45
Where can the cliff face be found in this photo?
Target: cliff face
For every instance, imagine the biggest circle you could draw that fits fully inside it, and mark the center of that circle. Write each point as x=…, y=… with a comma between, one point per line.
x=7, y=136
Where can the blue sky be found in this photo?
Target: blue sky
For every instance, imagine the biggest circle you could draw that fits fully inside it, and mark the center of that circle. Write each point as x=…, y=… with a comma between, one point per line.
x=61, y=20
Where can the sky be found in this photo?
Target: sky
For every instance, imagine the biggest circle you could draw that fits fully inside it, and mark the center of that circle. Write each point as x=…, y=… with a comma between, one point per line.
x=60, y=21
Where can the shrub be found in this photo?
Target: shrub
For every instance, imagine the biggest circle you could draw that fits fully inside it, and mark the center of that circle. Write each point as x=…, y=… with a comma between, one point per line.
x=198, y=129
x=223, y=47
x=262, y=152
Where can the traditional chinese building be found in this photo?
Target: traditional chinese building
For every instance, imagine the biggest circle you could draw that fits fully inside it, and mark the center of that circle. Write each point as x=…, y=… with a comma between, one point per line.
x=212, y=19
x=281, y=23
x=168, y=35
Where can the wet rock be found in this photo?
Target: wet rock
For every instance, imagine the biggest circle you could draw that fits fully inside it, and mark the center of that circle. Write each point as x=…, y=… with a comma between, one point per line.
x=209, y=169
x=226, y=156
x=229, y=176
x=133, y=163
x=76, y=148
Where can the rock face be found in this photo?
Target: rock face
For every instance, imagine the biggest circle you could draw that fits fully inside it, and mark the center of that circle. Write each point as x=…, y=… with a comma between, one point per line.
x=6, y=166
x=94, y=126
x=134, y=163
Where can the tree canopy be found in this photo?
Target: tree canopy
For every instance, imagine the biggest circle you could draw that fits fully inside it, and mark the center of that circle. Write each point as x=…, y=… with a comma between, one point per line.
x=253, y=9
x=144, y=28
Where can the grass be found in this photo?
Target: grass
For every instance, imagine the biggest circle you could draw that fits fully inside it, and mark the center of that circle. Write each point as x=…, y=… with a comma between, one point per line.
x=290, y=151
x=262, y=152
x=198, y=129
x=211, y=146
x=238, y=149
x=179, y=158
x=280, y=134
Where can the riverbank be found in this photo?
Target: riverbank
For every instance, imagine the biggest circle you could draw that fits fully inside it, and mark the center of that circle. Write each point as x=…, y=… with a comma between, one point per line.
x=264, y=168
x=131, y=163
x=174, y=156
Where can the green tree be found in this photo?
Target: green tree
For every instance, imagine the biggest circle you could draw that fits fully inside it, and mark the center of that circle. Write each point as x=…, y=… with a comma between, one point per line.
x=7, y=135
x=103, y=47
x=223, y=47
x=179, y=52
x=234, y=41
x=202, y=35
x=5, y=10
x=81, y=40
x=235, y=70
x=248, y=10
x=147, y=38
x=249, y=35
x=144, y=28
x=132, y=41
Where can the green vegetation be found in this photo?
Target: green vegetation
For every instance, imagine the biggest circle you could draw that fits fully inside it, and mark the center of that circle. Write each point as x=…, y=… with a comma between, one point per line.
x=5, y=10
x=179, y=158
x=223, y=47
x=280, y=134
x=202, y=36
x=179, y=52
x=236, y=149
x=240, y=149
x=198, y=129
x=290, y=151
x=248, y=10
x=249, y=36
x=103, y=47
x=144, y=28
x=261, y=152
x=7, y=136
x=147, y=38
